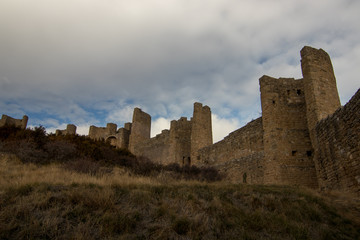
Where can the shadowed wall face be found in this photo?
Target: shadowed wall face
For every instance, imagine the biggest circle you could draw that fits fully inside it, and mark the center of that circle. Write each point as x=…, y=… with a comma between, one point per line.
x=140, y=129
x=201, y=132
x=338, y=151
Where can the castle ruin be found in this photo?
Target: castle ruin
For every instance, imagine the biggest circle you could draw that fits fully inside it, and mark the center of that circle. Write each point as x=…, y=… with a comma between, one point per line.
x=9, y=121
x=180, y=144
x=304, y=137
x=70, y=130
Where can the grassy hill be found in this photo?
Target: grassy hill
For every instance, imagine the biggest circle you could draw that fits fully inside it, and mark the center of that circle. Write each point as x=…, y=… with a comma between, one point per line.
x=50, y=197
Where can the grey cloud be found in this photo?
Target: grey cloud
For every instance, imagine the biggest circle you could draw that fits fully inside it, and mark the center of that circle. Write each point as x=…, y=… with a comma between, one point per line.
x=66, y=57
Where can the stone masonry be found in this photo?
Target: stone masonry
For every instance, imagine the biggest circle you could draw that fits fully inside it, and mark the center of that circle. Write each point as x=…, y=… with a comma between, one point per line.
x=287, y=145
x=304, y=136
x=181, y=143
x=9, y=121
x=70, y=130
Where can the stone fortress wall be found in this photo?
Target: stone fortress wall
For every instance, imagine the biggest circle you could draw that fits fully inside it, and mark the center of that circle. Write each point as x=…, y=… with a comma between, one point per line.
x=239, y=154
x=337, y=155
x=176, y=145
x=304, y=136
x=307, y=138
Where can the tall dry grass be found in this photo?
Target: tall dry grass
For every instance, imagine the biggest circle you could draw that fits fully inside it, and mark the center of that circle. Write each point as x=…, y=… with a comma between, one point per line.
x=14, y=173
x=50, y=202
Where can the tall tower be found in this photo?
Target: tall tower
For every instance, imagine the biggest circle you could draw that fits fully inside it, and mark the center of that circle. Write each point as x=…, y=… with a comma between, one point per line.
x=321, y=95
x=287, y=145
x=201, y=131
x=320, y=89
x=140, y=129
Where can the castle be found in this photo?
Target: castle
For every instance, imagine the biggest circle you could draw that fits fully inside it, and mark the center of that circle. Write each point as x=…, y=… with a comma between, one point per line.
x=304, y=136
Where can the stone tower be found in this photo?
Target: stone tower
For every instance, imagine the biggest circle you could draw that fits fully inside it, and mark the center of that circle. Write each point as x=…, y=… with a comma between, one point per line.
x=287, y=145
x=201, y=132
x=321, y=96
x=140, y=129
x=320, y=88
x=180, y=141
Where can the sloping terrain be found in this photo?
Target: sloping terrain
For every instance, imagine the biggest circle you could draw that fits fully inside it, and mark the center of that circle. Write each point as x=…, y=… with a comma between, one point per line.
x=72, y=188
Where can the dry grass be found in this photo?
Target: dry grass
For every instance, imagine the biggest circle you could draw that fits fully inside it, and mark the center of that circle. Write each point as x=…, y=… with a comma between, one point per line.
x=13, y=174
x=50, y=202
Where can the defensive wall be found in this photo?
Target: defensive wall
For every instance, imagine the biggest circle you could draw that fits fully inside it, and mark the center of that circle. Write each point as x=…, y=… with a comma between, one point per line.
x=240, y=154
x=304, y=136
x=181, y=143
x=338, y=152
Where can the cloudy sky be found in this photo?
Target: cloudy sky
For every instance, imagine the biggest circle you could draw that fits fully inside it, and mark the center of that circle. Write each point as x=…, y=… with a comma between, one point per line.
x=89, y=62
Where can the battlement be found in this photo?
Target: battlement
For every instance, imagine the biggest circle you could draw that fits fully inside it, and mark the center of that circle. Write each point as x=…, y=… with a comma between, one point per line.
x=9, y=121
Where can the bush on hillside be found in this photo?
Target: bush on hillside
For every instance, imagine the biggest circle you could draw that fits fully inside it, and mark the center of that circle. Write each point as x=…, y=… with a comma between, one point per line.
x=82, y=154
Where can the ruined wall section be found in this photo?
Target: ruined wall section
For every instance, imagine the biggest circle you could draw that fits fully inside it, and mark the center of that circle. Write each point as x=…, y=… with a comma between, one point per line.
x=338, y=153
x=240, y=155
x=9, y=121
x=70, y=130
x=180, y=141
x=201, y=133
x=156, y=148
x=102, y=133
x=122, y=137
x=140, y=129
x=287, y=145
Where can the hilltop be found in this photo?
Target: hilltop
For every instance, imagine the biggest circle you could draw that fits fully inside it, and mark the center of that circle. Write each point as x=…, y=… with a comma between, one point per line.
x=98, y=192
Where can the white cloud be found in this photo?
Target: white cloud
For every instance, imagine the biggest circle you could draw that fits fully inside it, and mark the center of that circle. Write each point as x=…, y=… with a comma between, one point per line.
x=120, y=115
x=158, y=125
x=91, y=62
x=222, y=127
